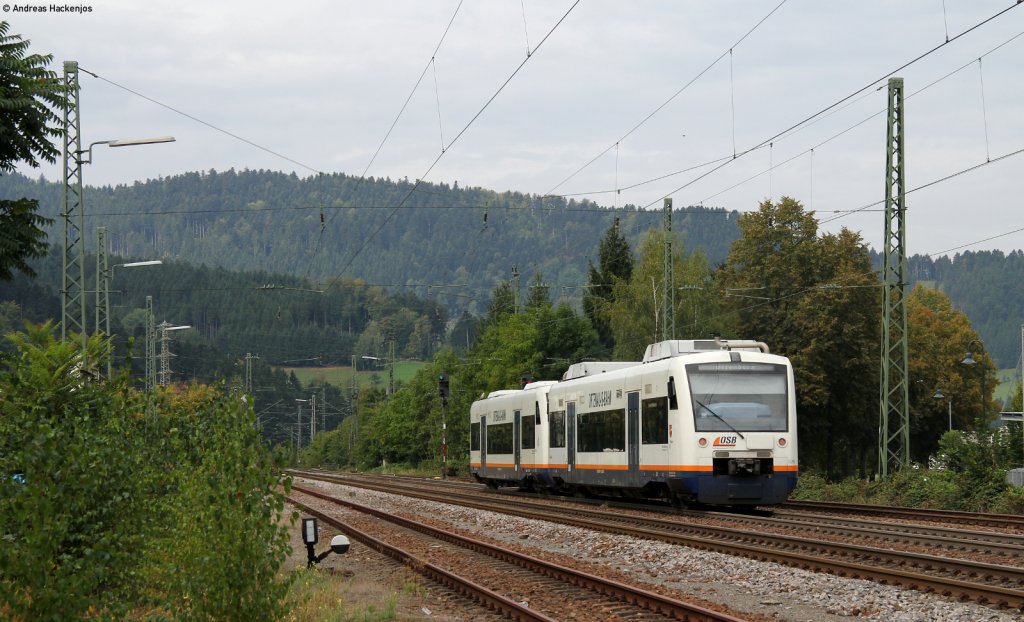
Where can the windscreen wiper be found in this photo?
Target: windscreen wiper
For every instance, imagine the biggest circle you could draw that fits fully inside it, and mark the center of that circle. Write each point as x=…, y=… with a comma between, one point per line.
x=715, y=415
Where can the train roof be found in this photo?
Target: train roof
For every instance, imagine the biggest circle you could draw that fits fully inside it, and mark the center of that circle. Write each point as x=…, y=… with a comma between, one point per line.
x=682, y=347
x=590, y=368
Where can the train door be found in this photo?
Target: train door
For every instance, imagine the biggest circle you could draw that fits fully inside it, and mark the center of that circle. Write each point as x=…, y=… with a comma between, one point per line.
x=517, y=435
x=483, y=442
x=570, y=433
x=633, y=431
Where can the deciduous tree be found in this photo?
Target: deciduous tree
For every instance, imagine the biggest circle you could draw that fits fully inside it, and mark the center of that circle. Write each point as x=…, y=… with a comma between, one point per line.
x=939, y=338
x=30, y=95
x=815, y=299
x=634, y=316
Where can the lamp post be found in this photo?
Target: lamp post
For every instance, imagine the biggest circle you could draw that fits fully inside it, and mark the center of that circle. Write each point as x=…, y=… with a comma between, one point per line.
x=165, y=353
x=969, y=360
x=938, y=395
x=391, y=370
x=73, y=280
x=104, y=276
x=298, y=427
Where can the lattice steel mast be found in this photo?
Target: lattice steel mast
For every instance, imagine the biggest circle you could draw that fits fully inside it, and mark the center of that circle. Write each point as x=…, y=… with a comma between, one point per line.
x=73, y=280
x=668, y=296
x=894, y=424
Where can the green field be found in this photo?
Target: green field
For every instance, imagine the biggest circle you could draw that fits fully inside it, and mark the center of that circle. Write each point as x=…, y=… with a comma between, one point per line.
x=1007, y=384
x=341, y=376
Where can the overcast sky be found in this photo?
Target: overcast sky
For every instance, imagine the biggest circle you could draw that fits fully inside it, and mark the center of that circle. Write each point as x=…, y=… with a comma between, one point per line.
x=612, y=96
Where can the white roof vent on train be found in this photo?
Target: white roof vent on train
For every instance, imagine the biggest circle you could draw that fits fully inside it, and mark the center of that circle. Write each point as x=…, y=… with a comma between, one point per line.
x=682, y=347
x=589, y=368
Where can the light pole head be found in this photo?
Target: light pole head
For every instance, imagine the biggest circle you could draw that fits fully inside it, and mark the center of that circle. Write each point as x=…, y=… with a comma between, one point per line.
x=968, y=360
x=128, y=142
x=938, y=394
x=136, y=264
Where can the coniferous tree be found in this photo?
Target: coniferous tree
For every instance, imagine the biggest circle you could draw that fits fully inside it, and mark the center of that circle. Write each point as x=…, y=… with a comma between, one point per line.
x=615, y=261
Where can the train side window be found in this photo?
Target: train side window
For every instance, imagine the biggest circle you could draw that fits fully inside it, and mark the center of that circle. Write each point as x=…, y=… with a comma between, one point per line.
x=556, y=420
x=654, y=421
x=601, y=431
x=474, y=436
x=499, y=438
x=673, y=403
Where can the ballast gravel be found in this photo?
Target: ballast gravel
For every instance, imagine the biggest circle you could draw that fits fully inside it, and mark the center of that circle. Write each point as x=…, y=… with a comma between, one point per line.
x=744, y=585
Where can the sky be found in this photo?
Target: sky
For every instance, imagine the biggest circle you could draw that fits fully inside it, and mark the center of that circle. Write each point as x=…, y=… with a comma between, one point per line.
x=722, y=104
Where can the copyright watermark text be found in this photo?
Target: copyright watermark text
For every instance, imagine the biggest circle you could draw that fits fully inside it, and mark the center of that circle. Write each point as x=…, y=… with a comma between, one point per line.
x=47, y=8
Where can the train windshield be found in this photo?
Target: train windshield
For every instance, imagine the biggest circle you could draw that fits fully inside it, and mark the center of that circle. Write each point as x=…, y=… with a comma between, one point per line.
x=743, y=397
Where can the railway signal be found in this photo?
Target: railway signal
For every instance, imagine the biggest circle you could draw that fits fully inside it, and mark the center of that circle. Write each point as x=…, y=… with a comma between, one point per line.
x=444, y=390
x=310, y=536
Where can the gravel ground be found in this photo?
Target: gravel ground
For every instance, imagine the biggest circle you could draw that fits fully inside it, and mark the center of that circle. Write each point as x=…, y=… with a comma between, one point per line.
x=371, y=578
x=745, y=585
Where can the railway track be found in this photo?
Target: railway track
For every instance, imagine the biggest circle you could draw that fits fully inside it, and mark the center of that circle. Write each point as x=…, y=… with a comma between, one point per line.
x=987, y=583
x=555, y=589
x=1008, y=522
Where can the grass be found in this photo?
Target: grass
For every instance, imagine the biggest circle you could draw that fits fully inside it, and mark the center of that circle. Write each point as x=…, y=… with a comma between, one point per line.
x=319, y=596
x=341, y=375
x=326, y=597
x=1007, y=384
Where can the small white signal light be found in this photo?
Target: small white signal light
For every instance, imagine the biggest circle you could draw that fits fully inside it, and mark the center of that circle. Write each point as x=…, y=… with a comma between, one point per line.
x=782, y=441
x=703, y=442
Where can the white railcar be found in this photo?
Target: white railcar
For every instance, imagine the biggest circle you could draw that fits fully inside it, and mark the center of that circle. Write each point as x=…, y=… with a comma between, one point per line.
x=708, y=422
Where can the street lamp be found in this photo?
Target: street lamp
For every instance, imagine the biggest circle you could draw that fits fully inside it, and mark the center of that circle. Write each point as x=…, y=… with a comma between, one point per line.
x=104, y=276
x=938, y=395
x=298, y=426
x=969, y=360
x=391, y=370
x=73, y=278
x=165, y=354
x=121, y=142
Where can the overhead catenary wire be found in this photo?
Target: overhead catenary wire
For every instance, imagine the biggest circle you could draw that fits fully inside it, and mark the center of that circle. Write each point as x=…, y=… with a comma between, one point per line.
x=387, y=135
x=784, y=135
x=771, y=139
x=205, y=123
x=465, y=128
x=863, y=121
x=667, y=101
x=844, y=213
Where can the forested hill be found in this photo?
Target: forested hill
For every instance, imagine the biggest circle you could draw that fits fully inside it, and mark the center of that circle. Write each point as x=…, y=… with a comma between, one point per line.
x=444, y=243
x=464, y=240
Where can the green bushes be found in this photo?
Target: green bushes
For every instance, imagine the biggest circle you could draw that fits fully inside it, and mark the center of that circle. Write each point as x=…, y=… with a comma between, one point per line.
x=967, y=473
x=177, y=512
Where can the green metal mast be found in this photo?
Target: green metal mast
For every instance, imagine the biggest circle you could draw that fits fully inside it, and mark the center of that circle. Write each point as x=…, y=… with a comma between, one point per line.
x=102, y=284
x=73, y=281
x=150, y=346
x=894, y=424
x=668, y=296
x=103, y=294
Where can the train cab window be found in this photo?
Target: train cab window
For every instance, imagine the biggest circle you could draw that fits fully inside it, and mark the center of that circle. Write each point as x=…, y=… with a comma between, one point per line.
x=743, y=397
x=474, y=436
x=601, y=431
x=528, y=431
x=654, y=421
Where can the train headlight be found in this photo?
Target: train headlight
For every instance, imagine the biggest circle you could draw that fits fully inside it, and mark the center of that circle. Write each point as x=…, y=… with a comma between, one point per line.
x=782, y=441
x=702, y=442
